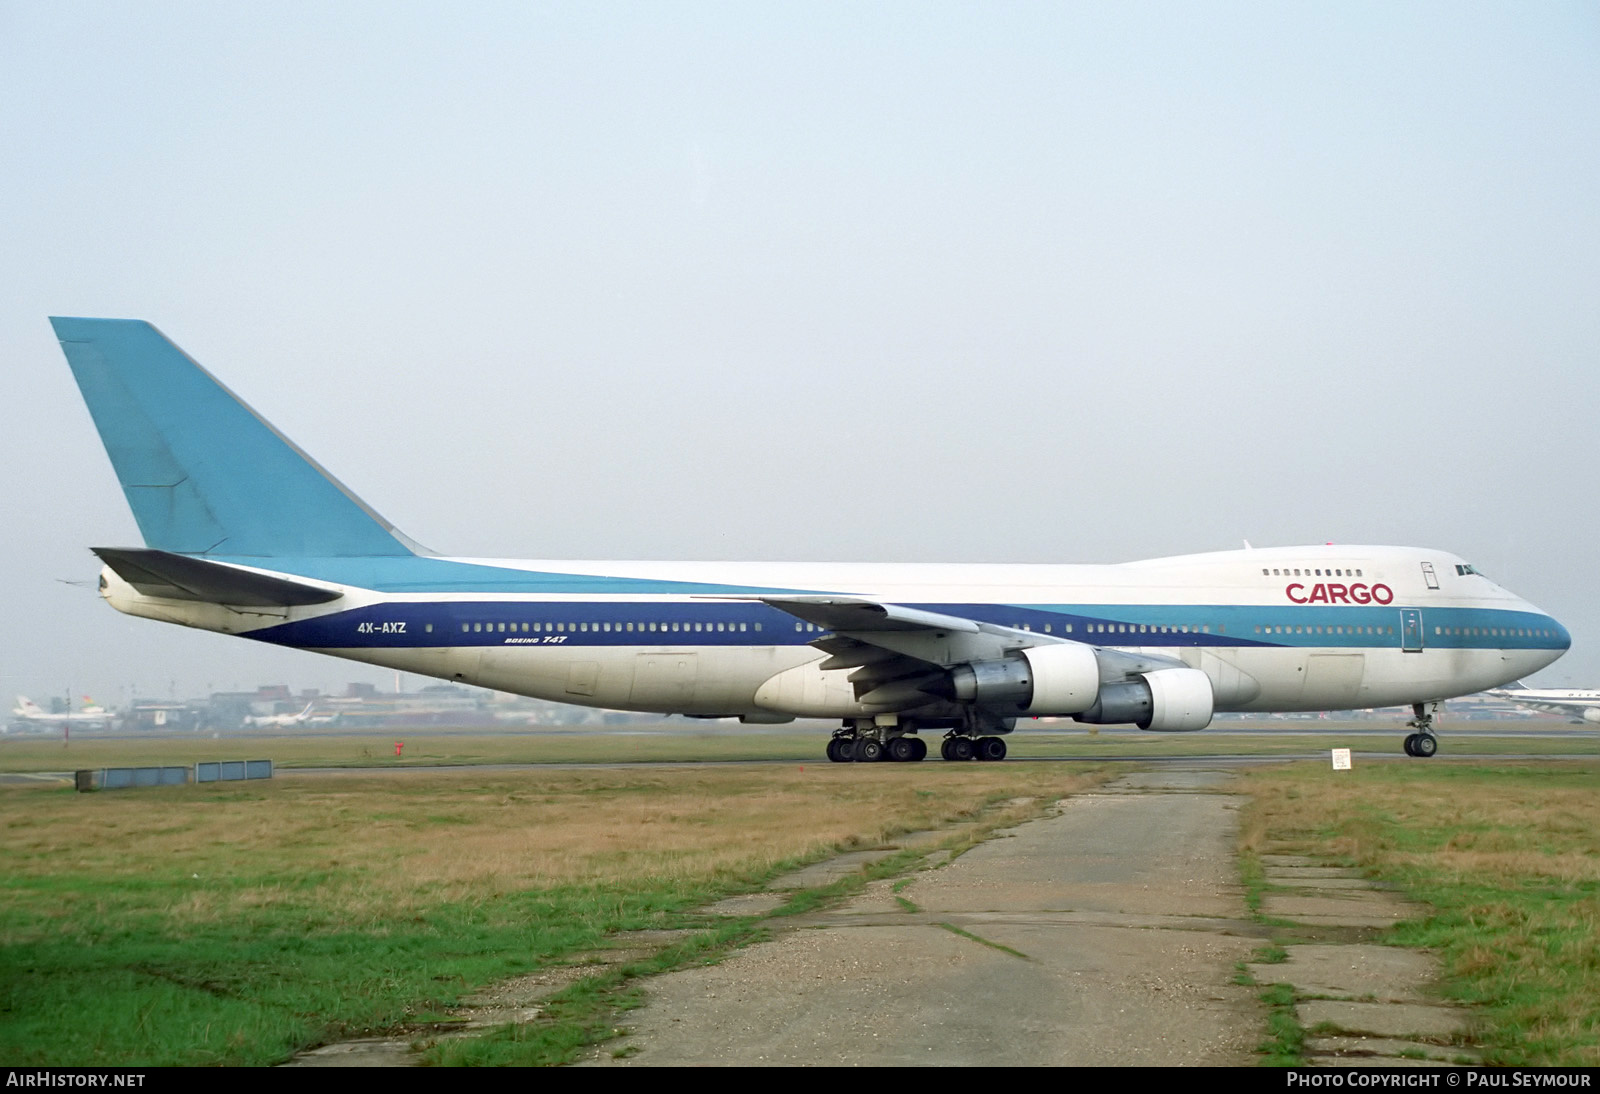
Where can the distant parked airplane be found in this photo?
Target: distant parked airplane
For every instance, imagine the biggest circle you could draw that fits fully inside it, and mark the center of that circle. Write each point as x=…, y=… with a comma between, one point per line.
x=246, y=535
x=1576, y=703
x=261, y=720
x=27, y=710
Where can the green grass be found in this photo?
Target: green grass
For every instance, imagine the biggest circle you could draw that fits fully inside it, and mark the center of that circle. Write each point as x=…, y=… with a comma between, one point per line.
x=129, y=990
x=586, y=1013
x=652, y=744
x=238, y=924
x=1285, y=1043
x=1508, y=859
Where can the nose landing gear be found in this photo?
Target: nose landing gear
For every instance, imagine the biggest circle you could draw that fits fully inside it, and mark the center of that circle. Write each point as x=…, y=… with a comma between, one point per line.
x=1422, y=743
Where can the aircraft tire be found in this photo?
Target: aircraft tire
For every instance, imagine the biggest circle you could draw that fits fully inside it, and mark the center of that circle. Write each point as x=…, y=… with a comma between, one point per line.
x=1426, y=745
x=961, y=748
x=868, y=751
x=921, y=749
x=840, y=750
x=991, y=748
x=902, y=749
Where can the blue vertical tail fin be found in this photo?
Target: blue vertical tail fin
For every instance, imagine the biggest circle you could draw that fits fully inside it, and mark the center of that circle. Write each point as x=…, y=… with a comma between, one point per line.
x=204, y=473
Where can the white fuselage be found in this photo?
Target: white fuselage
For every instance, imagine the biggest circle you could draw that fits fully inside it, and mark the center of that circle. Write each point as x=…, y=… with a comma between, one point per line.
x=1276, y=629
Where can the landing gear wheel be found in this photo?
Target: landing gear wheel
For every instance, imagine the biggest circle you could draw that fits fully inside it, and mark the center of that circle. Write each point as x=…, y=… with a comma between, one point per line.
x=960, y=748
x=921, y=749
x=1422, y=743
x=944, y=749
x=868, y=751
x=841, y=750
x=903, y=749
x=991, y=748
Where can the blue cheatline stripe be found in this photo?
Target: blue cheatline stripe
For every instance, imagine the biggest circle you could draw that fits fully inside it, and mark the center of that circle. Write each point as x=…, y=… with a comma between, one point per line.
x=612, y=623
x=1319, y=626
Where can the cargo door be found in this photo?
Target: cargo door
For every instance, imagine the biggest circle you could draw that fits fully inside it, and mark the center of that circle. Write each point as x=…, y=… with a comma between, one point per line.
x=665, y=681
x=1333, y=681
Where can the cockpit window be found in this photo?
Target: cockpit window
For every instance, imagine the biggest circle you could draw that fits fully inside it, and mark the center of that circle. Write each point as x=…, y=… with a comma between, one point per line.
x=1463, y=571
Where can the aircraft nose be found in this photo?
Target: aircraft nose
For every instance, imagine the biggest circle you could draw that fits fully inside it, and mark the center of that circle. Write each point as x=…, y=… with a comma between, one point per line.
x=1556, y=641
x=1563, y=638
x=1549, y=632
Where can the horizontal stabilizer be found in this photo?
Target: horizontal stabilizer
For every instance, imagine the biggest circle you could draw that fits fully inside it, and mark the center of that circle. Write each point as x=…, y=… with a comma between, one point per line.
x=179, y=577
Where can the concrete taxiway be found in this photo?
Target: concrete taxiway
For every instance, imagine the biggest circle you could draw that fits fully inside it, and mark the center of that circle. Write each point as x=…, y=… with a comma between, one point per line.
x=1106, y=933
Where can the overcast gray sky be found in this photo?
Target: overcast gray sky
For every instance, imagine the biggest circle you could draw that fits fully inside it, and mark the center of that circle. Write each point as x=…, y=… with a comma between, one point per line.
x=893, y=281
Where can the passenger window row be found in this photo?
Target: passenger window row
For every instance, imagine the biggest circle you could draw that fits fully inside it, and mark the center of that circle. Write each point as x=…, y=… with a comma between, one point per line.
x=616, y=628
x=1067, y=628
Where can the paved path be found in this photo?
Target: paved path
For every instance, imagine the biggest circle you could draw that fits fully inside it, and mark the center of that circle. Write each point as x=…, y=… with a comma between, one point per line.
x=1372, y=1005
x=1107, y=933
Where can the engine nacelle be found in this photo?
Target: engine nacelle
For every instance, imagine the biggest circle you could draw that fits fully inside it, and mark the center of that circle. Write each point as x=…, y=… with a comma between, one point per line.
x=1591, y=715
x=1042, y=680
x=1169, y=700
x=1182, y=700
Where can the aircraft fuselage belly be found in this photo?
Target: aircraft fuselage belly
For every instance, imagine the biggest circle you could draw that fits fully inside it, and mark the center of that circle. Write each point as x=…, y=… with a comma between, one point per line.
x=727, y=681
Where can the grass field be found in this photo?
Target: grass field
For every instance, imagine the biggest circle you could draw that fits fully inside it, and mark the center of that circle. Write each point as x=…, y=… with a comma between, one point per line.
x=435, y=747
x=1507, y=855
x=237, y=923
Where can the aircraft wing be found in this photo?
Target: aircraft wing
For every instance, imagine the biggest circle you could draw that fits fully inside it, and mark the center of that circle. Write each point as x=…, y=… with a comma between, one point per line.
x=184, y=577
x=838, y=613
x=895, y=651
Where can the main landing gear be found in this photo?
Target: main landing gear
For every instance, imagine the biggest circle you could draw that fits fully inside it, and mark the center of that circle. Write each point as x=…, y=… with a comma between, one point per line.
x=869, y=742
x=1422, y=743
x=960, y=747
x=848, y=746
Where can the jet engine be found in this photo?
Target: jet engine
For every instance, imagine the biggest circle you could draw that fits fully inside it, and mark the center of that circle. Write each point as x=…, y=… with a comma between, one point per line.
x=1172, y=700
x=1042, y=680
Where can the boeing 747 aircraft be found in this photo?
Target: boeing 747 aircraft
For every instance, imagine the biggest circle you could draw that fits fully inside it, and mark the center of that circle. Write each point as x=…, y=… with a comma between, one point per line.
x=244, y=534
